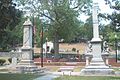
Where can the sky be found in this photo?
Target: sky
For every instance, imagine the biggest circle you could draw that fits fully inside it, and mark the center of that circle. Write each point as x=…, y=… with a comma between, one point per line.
x=103, y=9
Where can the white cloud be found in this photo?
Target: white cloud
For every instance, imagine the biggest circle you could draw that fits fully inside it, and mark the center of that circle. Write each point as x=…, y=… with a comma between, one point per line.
x=83, y=17
x=103, y=7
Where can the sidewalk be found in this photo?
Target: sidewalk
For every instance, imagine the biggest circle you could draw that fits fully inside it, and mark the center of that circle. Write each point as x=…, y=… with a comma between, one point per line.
x=52, y=75
x=47, y=77
x=66, y=73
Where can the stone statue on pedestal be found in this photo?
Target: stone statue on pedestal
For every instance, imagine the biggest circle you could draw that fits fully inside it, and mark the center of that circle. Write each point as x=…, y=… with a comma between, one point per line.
x=89, y=47
x=96, y=66
x=105, y=47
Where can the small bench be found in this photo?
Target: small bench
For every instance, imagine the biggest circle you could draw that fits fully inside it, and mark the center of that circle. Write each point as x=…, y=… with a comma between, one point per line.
x=71, y=63
x=66, y=68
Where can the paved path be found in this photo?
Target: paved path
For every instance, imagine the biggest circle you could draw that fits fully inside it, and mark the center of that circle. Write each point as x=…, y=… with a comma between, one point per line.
x=66, y=73
x=53, y=75
x=47, y=77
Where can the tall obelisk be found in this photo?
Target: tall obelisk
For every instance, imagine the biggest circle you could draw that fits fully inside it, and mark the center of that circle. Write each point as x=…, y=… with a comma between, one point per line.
x=97, y=65
x=26, y=63
x=96, y=41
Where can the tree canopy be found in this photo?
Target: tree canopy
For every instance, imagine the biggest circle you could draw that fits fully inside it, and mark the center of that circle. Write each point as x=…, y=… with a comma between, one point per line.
x=61, y=16
x=9, y=18
x=109, y=31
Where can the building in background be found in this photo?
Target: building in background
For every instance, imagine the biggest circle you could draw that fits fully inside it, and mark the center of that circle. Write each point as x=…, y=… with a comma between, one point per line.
x=47, y=47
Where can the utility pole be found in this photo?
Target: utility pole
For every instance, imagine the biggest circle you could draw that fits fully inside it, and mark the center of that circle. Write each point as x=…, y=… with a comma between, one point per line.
x=41, y=37
x=116, y=47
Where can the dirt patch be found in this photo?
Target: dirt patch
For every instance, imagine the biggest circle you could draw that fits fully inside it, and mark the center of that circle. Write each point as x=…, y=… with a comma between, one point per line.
x=68, y=47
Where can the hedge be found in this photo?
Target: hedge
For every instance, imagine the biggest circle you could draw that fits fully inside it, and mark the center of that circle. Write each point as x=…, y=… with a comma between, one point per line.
x=2, y=61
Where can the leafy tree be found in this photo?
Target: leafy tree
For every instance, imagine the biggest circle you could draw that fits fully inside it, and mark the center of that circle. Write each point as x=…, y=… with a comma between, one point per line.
x=114, y=18
x=65, y=25
x=9, y=18
x=37, y=30
x=61, y=16
x=89, y=28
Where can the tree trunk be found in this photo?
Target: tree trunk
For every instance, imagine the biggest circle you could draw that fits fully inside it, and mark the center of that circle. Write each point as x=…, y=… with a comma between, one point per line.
x=56, y=44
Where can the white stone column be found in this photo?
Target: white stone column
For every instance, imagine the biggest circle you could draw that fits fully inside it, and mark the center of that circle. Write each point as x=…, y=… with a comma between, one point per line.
x=107, y=61
x=96, y=41
x=14, y=61
x=27, y=51
x=27, y=41
x=97, y=65
x=95, y=21
x=26, y=63
x=27, y=35
x=87, y=60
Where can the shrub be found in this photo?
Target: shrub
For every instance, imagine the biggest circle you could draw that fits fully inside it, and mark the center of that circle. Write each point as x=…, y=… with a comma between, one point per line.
x=74, y=49
x=2, y=61
x=36, y=56
x=10, y=60
x=52, y=51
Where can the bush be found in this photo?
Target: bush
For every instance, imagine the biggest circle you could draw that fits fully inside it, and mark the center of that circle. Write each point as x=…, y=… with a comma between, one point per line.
x=52, y=51
x=10, y=60
x=74, y=49
x=36, y=56
x=2, y=61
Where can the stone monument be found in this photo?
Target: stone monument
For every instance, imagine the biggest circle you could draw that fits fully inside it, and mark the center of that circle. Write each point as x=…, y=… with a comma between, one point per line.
x=26, y=63
x=14, y=61
x=97, y=65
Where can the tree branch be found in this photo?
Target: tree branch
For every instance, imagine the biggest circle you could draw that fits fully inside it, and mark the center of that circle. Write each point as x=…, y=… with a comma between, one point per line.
x=78, y=6
x=47, y=16
x=42, y=13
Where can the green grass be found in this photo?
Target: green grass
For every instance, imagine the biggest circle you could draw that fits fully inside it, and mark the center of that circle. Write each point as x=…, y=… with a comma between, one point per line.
x=55, y=69
x=77, y=69
x=13, y=76
x=116, y=69
x=88, y=78
x=4, y=70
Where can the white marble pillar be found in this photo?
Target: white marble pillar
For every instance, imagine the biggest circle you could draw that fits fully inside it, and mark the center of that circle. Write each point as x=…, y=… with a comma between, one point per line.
x=14, y=61
x=107, y=61
x=26, y=49
x=87, y=61
x=27, y=35
x=26, y=63
x=27, y=41
x=96, y=41
x=97, y=65
x=95, y=22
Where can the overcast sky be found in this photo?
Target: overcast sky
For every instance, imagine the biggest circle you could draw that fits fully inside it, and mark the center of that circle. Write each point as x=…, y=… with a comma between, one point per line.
x=103, y=9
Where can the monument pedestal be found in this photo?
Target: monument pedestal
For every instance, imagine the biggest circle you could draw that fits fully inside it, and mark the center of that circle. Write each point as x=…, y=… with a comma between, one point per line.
x=26, y=56
x=26, y=63
x=97, y=71
x=97, y=65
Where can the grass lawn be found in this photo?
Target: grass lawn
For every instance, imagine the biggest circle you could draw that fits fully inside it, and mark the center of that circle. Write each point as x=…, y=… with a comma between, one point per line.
x=53, y=68
x=88, y=78
x=13, y=76
x=116, y=69
x=77, y=69
x=56, y=68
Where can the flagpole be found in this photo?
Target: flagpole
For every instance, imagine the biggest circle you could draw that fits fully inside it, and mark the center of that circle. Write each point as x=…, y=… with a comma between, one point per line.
x=33, y=36
x=41, y=36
